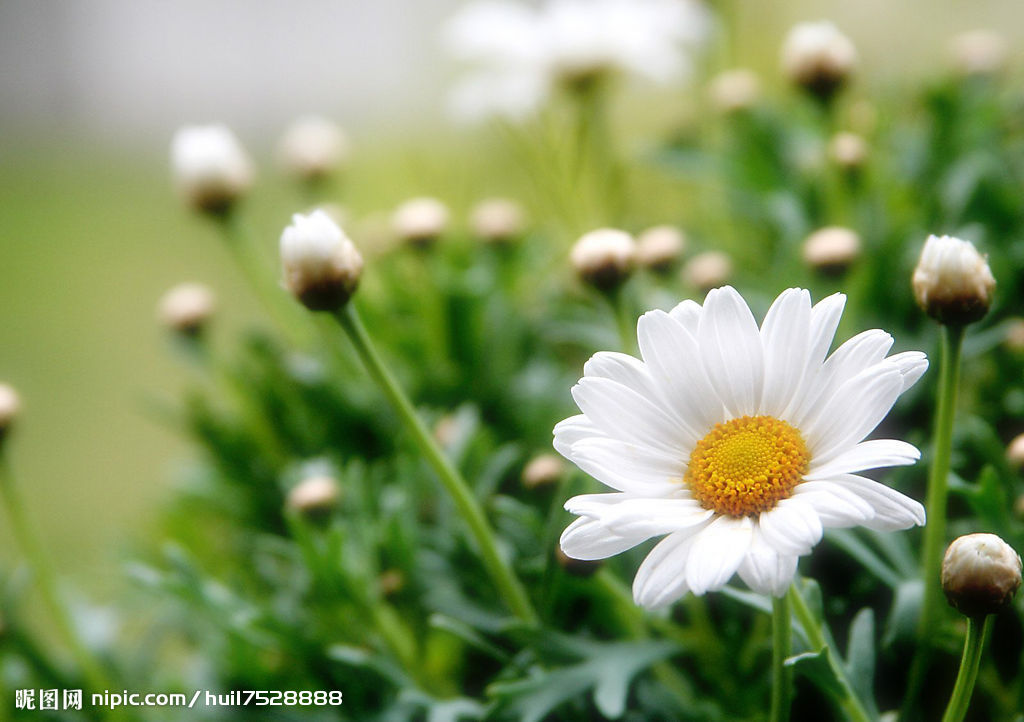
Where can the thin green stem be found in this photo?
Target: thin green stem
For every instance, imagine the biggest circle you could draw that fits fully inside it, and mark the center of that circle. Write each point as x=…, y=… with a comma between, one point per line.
x=625, y=320
x=509, y=586
x=46, y=580
x=961, y=697
x=935, y=529
x=849, y=702
x=782, y=643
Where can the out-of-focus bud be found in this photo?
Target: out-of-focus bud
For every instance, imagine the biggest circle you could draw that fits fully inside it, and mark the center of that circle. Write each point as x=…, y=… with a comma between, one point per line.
x=322, y=267
x=658, y=248
x=735, y=91
x=979, y=52
x=543, y=470
x=315, y=497
x=604, y=258
x=1015, y=452
x=446, y=430
x=10, y=405
x=211, y=169
x=819, y=58
x=708, y=270
x=186, y=308
x=420, y=221
x=832, y=250
x=497, y=220
x=313, y=148
x=390, y=582
x=1014, y=338
x=577, y=567
x=952, y=281
x=980, y=574
x=849, y=151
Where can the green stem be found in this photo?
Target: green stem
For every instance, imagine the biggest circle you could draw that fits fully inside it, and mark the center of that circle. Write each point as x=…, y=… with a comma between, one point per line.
x=46, y=580
x=961, y=697
x=849, y=702
x=625, y=321
x=935, y=529
x=782, y=639
x=508, y=585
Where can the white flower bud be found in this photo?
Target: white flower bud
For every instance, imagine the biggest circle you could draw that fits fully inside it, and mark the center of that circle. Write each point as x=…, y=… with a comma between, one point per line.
x=952, y=281
x=322, y=266
x=186, y=308
x=313, y=148
x=10, y=405
x=849, y=151
x=1014, y=338
x=832, y=249
x=543, y=470
x=497, y=220
x=818, y=57
x=1015, y=452
x=979, y=52
x=210, y=167
x=708, y=270
x=420, y=221
x=604, y=258
x=314, y=497
x=734, y=91
x=659, y=247
x=980, y=574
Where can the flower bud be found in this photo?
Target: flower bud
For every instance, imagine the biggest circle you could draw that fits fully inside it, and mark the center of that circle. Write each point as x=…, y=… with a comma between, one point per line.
x=1015, y=452
x=210, y=167
x=849, y=151
x=659, y=247
x=313, y=148
x=390, y=582
x=420, y=221
x=735, y=91
x=604, y=258
x=832, y=250
x=818, y=58
x=315, y=497
x=497, y=220
x=980, y=574
x=186, y=308
x=10, y=405
x=543, y=470
x=952, y=281
x=708, y=270
x=322, y=267
x=979, y=52
x=1014, y=338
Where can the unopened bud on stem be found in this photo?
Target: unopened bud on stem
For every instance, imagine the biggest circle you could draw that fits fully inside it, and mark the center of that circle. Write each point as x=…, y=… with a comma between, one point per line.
x=831, y=250
x=980, y=574
x=314, y=497
x=420, y=221
x=10, y=405
x=186, y=308
x=659, y=247
x=952, y=281
x=322, y=267
x=211, y=169
x=604, y=258
x=313, y=148
x=497, y=220
x=818, y=58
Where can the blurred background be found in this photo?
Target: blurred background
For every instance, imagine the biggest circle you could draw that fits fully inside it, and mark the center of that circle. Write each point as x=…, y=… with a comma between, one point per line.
x=91, y=233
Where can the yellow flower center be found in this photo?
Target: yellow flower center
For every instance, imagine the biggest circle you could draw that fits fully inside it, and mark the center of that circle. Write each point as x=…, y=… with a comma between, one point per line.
x=747, y=465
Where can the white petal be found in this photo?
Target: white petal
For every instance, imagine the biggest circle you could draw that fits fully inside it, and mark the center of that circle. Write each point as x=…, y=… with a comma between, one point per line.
x=661, y=578
x=587, y=539
x=836, y=507
x=622, y=413
x=873, y=454
x=687, y=313
x=731, y=351
x=717, y=552
x=571, y=430
x=629, y=467
x=912, y=364
x=673, y=358
x=824, y=322
x=624, y=369
x=785, y=334
x=766, y=571
x=628, y=516
x=792, y=527
x=853, y=411
x=893, y=510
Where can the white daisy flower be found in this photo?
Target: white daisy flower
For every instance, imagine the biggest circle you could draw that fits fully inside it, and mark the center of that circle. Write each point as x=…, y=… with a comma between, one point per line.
x=740, y=444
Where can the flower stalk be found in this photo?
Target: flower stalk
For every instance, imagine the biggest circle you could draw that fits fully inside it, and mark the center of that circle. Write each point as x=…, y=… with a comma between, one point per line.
x=964, y=687
x=510, y=588
x=782, y=676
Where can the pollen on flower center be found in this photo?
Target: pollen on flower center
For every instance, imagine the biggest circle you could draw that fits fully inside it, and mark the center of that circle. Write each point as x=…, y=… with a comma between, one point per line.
x=747, y=465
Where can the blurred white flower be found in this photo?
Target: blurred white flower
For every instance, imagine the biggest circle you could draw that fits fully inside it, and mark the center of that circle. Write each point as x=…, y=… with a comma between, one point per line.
x=522, y=53
x=210, y=167
x=604, y=258
x=497, y=220
x=420, y=221
x=733, y=91
x=832, y=249
x=659, y=247
x=10, y=406
x=979, y=52
x=186, y=308
x=740, y=444
x=313, y=147
x=322, y=267
x=818, y=57
x=708, y=270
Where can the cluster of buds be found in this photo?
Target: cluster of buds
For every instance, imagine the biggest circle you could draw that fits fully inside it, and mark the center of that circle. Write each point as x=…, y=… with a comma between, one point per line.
x=322, y=266
x=604, y=258
x=211, y=169
x=980, y=574
x=952, y=281
x=818, y=58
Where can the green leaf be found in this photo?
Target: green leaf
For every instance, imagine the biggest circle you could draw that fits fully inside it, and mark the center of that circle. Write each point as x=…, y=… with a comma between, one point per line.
x=860, y=654
x=817, y=667
x=906, y=606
